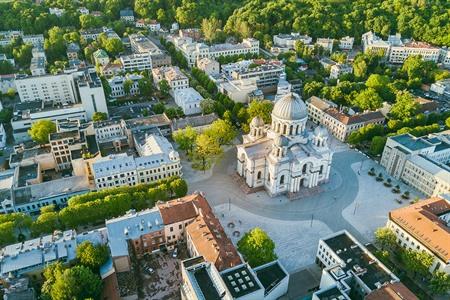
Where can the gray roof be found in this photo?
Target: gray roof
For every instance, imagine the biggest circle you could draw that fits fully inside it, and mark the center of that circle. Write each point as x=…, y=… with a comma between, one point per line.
x=411, y=142
x=131, y=226
x=290, y=107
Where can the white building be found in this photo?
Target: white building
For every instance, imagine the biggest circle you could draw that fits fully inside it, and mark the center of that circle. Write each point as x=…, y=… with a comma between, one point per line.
x=423, y=226
x=346, y=43
x=194, y=51
x=2, y=136
x=397, y=50
x=56, y=11
x=350, y=271
x=325, y=43
x=100, y=57
x=136, y=62
x=127, y=15
x=142, y=44
x=340, y=69
x=117, y=85
x=238, y=90
x=209, y=66
x=38, y=52
x=83, y=10
x=37, y=66
x=174, y=77
x=91, y=93
x=34, y=39
x=189, y=100
x=158, y=160
x=288, y=40
x=420, y=162
x=284, y=157
x=441, y=87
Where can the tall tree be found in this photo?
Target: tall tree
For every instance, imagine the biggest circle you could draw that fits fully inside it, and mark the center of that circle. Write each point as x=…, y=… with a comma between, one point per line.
x=92, y=256
x=41, y=130
x=368, y=100
x=257, y=247
x=206, y=149
x=185, y=138
x=210, y=27
x=404, y=106
x=385, y=238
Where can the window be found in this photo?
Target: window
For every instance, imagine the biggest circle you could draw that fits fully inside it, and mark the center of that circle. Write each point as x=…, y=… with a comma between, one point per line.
x=282, y=179
x=259, y=175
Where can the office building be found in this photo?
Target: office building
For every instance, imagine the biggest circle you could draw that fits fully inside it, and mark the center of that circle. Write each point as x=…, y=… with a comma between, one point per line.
x=136, y=62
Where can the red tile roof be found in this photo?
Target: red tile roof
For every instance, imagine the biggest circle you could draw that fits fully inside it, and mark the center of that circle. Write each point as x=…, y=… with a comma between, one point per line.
x=393, y=291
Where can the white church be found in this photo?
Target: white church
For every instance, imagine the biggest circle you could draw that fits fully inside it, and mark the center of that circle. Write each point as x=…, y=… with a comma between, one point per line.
x=284, y=157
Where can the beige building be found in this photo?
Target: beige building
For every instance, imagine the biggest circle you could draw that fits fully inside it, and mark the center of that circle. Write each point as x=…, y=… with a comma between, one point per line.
x=339, y=122
x=423, y=226
x=209, y=66
x=66, y=146
x=174, y=77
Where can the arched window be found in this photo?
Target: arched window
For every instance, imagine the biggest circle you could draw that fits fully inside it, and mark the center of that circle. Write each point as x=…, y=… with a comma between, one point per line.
x=268, y=177
x=304, y=168
x=284, y=129
x=259, y=175
x=282, y=179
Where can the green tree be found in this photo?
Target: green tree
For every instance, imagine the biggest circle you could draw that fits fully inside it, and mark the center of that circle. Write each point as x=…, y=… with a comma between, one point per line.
x=404, y=106
x=262, y=109
x=257, y=247
x=210, y=28
x=312, y=88
x=206, y=149
x=99, y=116
x=447, y=122
x=7, y=234
x=22, y=55
x=380, y=83
x=179, y=187
x=78, y=282
x=360, y=69
x=92, y=256
x=368, y=99
x=222, y=131
x=158, y=108
x=377, y=145
x=417, y=262
x=208, y=106
x=385, y=238
x=439, y=283
x=185, y=138
x=45, y=224
x=11, y=93
x=145, y=86
x=55, y=45
x=164, y=88
x=113, y=46
x=6, y=67
x=127, y=84
x=40, y=131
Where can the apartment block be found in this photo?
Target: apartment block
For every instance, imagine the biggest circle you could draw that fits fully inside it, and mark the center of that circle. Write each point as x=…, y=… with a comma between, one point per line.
x=346, y=43
x=194, y=51
x=424, y=226
x=420, y=162
x=136, y=62
x=117, y=85
x=341, y=123
x=349, y=270
x=174, y=77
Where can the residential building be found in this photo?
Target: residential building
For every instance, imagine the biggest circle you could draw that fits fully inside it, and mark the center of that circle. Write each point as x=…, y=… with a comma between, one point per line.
x=37, y=66
x=189, y=100
x=10, y=60
x=154, y=25
x=194, y=51
x=117, y=84
x=91, y=93
x=2, y=136
x=441, y=87
x=174, y=77
x=161, y=60
x=266, y=72
x=161, y=122
x=341, y=123
x=7, y=82
x=392, y=291
x=424, y=226
x=38, y=52
x=209, y=66
x=142, y=44
x=67, y=145
x=193, y=33
x=346, y=43
x=350, y=271
x=157, y=160
x=34, y=39
x=83, y=11
x=110, y=134
x=72, y=51
x=136, y=62
x=112, y=69
x=56, y=11
x=271, y=158
x=100, y=57
x=340, y=69
x=91, y=34
x=286, y=42
x=397, y=50
x=127, y=15
x=56, y=88
x=420, y=162
x=144, y=231
x=325, y=43
x=198, y=123
x=25, y=114
x=202, y=280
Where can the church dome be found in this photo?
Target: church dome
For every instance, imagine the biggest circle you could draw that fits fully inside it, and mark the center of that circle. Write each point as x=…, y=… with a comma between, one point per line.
x=321, y=131
x=281, y=141
x=257, y=122
x=290, y=107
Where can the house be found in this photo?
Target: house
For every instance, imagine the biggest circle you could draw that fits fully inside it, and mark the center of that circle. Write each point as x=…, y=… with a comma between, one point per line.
x=209, y=66
x=127, y=15
x=72, y=51
x=100, y=57
x=189, y=100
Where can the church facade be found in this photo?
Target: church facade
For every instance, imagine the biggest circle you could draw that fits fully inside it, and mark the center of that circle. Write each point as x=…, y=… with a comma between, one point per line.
x=284, y=157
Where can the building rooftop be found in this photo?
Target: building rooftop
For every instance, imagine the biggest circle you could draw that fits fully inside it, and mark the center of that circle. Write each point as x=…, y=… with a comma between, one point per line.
x=320, y=103
x=422, y=221
x=392, y=291
x=27, y=173
x=193, y=121
x=358, y=260
x=354, y=119
x=411, y=142
x=240, y=281
x=130, y=227
x=332, y=293
x=126, y=12
x=270, y=275
x=178, y=210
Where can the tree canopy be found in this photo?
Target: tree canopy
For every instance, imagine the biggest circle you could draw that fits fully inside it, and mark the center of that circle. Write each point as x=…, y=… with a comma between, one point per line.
x=257, y=247
x=40, y=131
x=92, y=256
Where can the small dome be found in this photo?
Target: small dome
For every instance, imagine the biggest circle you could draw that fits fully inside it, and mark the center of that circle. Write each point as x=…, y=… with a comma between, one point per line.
x=257, y=122
x=290, y=107
x=321, y=131
x=281, y=141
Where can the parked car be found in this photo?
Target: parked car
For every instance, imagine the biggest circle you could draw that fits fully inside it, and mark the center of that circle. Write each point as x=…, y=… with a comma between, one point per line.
x=175, y=253
x=149, y=270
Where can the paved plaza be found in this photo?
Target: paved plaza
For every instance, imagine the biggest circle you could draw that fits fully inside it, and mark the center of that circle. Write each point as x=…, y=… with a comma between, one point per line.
x=286, y=221
x=296, y=241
